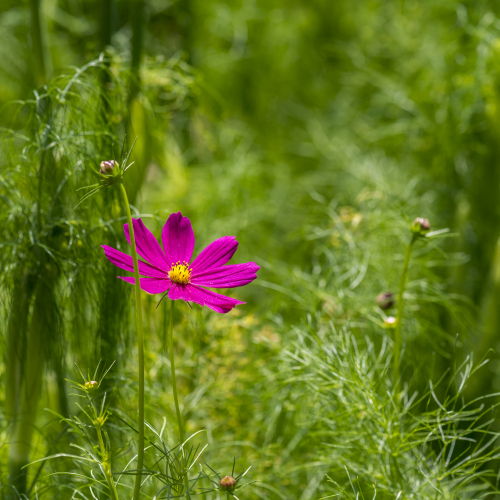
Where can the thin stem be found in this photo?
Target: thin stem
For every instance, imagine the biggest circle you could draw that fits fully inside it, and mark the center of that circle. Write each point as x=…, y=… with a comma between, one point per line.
x=397, y=330
x=165, y=330
x=174, y=387
x=172, y=370
x=137, y=21
x=140, y=349
x=108, y=22
x=41, y=55
x=106, y=464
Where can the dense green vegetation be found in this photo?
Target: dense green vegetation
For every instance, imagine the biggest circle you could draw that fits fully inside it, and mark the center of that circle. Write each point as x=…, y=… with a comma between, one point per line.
x=315, y=133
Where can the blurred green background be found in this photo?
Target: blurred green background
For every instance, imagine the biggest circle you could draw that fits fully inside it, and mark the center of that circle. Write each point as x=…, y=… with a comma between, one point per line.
x=314, y=132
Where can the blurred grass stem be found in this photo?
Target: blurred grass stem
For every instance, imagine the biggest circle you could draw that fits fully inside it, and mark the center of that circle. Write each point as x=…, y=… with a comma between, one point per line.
x=137, y=21
x=397, y=331
x=174, y=387
x=41, y=55
x=140, y=348
x=108, y=22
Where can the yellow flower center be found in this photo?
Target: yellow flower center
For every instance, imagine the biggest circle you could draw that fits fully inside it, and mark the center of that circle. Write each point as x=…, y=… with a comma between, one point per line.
x=180, y=273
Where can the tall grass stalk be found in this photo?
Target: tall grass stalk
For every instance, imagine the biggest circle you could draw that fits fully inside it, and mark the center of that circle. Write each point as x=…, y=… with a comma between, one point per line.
x=140, y=348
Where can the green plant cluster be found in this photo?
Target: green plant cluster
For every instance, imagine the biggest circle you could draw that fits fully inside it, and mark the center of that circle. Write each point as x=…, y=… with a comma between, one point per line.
x=315, y=132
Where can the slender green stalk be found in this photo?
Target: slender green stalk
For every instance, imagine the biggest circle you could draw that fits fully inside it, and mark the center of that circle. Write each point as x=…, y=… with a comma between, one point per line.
x=108, y=24
x=106, y=464
x=137, y=21
x=397, y=330
x=172, y=370
x=15, y=343
x=43, y=323
x=174, y=387
x=41, y=54
x=165, y=331
x=140, y=348
x=108, y=20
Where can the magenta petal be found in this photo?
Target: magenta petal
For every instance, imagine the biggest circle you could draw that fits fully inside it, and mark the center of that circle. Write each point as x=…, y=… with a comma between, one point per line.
x=216, y=254
x=150, y=285
x=147, y=245
x=124, y=261
x=178, y=238
x=230, y=276
x=192, y=293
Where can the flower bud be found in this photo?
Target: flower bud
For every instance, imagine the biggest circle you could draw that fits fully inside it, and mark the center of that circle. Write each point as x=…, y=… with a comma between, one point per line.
x=421, y=226
x=107, y=167
x=100, y=421
x=91, y=384
x=385, y=300
x=227, y=483
x=390, y=322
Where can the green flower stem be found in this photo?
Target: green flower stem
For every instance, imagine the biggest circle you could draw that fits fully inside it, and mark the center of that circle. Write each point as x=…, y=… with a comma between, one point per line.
x=174, y=387
x=106, y=465
x=397, y=331
x=172, y=370
x=140, y=349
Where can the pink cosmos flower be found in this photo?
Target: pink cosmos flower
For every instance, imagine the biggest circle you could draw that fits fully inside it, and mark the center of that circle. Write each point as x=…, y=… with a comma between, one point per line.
x=170, y=269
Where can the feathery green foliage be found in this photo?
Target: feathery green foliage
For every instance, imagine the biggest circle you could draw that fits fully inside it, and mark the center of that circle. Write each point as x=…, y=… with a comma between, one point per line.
x=314, y=132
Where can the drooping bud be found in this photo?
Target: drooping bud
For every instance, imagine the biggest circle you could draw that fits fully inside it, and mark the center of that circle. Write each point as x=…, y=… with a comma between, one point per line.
x=91, y=384
x=421, y=226
x=107, y=167
x=390, y=322
x=385, y=300
x=227, y=483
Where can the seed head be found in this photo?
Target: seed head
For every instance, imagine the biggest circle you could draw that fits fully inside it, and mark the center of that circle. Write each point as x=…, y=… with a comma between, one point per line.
x=385, y=300
x=390, y=322
x=421, y=226
x=107, y=167
x=227, y=483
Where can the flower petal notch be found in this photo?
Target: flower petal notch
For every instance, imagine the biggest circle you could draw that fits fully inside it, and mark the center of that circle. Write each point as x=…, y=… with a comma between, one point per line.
x=170, y=270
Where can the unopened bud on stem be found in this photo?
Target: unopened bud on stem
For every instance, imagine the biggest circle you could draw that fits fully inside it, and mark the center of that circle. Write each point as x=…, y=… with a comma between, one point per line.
x=100, y=421
x=421, y=226
x=227, y=483
x=91, y=384
x=385, y=300
x=107, y=167
x=390, y=322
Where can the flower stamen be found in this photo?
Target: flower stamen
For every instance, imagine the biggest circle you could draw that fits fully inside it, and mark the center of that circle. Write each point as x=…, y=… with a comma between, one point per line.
x=180, y=273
